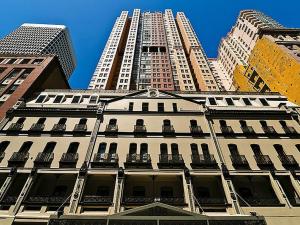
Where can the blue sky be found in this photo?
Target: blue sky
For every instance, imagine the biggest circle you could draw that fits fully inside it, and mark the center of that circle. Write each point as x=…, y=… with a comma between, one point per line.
x=90, y=21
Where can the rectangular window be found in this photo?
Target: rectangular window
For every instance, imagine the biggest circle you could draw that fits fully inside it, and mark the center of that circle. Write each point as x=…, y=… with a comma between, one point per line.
x=264, y=102
x=40, y=99
x=247, y=101
x=175, y=107
x=212, y=101
x=93, y=99
x=145, y=106
x=75, y=99
x=130, y=108
x=58, y=99
x=160, y=107
x=229, y=101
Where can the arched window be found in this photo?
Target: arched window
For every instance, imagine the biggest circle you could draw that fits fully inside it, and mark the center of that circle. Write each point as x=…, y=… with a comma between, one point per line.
x=233, y=149
x=194, y=149
x=113, y=148
x=49, y=148
x=3, y=146
x=139, y=122
x=243, y=123
x=73, y=147
x=113, y=122
x=279, y=149
x=82, y=121
x=256, y=149
x=132, y=148
x=193, y=123
x=167, y=123
x=21, y=120
x=25, y=147
x=41, y=121
x=102, y=148
x=144, y=148
x=174, y=149
x=163, y=149
x=282, y=123
x=223, y=123
x=62, y=121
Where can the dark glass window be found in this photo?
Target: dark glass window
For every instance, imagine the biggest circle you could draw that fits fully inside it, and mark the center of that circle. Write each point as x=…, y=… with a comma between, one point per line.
x=40, y=99
x=145, y=106
x=130, y=106
x=174, y=107
x=160, y=107
x=73, y=147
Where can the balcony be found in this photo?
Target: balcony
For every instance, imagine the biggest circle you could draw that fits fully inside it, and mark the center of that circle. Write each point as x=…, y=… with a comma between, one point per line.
x=37, y=127
x=168, y=130
x=98, y=190
x=203, y=161
x=58, y=128
x=68, y=160
x=196, y=131
x=264, y=161
x=269, y=130
x=105, y=160
x=171, y=161
x=111, y=130
x=140, y=130
x=248, y=130
x=288, y=161
x=137, y=200
x=290, y=130
x=96, y=200
x=79, y=128
x=239, y=161
x=138, y=161
x=209, y=202
x=227, y=130
x=171, y=200
x=15, y=127
x=250, y=191
x=47, y=200
x=43, y=159
x=9, y=200
x=18, y=159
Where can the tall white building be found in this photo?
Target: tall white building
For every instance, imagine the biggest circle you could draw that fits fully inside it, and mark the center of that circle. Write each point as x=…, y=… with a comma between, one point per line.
x=236, y=47
x=42, y=39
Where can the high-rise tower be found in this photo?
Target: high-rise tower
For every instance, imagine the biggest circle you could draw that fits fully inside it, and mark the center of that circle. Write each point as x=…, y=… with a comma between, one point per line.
x=152, y=50
x=41, y=39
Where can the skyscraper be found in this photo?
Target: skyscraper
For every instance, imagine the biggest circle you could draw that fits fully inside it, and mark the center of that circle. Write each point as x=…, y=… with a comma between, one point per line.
x=41, y=39
x=153, y=50
x=236, y=47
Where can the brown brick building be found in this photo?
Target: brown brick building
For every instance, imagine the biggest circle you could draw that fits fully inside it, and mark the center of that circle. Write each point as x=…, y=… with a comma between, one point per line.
x=22, y=75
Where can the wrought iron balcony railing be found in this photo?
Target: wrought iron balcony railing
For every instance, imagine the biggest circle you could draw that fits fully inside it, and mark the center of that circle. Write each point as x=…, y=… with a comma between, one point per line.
x=44, y=159
x=290, y=130
x=37, y=127
x=171, y=160
x=171, y=200
x=227, y=130
x=59, y=127
x=239, y=161
x=80, y=128
x=137, y=160
x=105, y=160
x=111, y=129
x=9, y=200
x=168, y=130
x=263, y=160
x=140, y=130
x=18, y=158
x=196, y=130
x=203, y=160
x=68, y=160
x=96, y=200
x=259, y=201
x=138, y=200
x=15, y=127
x=47, y=200
x=248, y=130
x=211, y=201
x=288, y=160
x=269, y=130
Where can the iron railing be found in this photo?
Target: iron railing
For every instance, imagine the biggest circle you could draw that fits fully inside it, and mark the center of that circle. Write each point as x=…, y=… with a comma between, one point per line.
x=290, y=130
x=196, y=130
x=171, y=159
x=259, y=201
x=263, y=160
x=15, y=127
x=36, y=127
x=105, y=160
x=288, y=160
x=59, y=127
x=211, y=201
x=68, y=159
x=203, y=160
x=227, y=130
x=43, y=200
x=138, y=159
x=80, y=128
x=168, y=130
x=96, y=200
x=19, y=157
x=248, y=130
x=239, y=161
x=140, y=129
x=44, y=158
x=111, y=128
x=269, y=130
